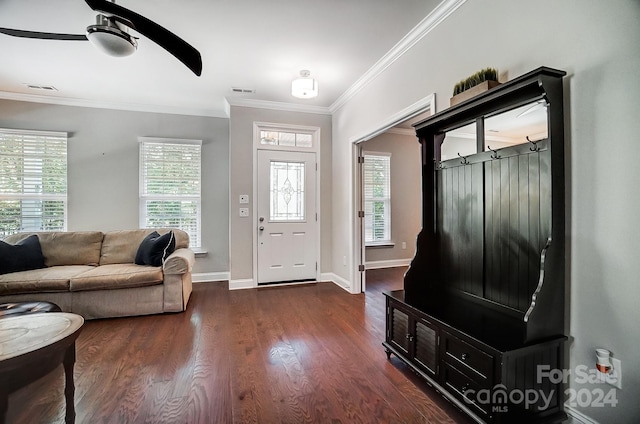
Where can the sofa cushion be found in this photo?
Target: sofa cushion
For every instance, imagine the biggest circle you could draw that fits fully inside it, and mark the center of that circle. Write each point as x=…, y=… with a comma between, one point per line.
x=155, y=249
x=117, y=276
x=66, y=248
x=120, y=247
x=22, y=256
x=54, y=279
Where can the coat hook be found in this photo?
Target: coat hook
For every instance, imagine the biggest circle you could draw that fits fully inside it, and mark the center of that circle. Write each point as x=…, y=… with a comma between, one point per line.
x=464, y=160
x=535, y=147
x=494, y=155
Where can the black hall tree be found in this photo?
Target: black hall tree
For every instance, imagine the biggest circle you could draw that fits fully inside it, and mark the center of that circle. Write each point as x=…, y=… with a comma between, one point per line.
x=482, y=313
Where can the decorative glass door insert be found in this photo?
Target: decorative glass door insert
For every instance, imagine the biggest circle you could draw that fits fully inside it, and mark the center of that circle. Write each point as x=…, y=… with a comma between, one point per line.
x=287, y=195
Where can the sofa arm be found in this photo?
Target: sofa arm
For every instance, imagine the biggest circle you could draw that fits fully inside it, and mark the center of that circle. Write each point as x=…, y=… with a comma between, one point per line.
x=179, y=262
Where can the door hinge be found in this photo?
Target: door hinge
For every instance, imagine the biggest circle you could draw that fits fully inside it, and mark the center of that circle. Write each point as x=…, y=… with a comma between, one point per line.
x=361, y=268
x=360, y=214
x=316, y=216
x=316, y=166
x=360, y=159
x=316, y=266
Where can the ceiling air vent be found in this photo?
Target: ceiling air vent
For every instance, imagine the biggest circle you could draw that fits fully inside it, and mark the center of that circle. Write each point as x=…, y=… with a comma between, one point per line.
x=41, y=87
x=243, y=90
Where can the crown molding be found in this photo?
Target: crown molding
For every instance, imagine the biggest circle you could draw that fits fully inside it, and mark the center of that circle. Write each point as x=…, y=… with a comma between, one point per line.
x=289, y=107
x=431, y=21
x=134, y=107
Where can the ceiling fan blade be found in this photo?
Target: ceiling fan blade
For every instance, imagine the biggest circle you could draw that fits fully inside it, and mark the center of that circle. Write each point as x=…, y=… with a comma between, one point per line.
x=175, y=45
x=42, y=35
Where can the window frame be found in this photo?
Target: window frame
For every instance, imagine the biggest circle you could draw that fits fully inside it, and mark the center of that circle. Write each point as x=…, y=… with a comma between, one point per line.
x=195, y=241
x=41, y=196
x=368, y=228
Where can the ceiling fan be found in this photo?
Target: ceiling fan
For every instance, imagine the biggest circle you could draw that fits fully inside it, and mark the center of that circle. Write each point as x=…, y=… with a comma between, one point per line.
x=110, y=34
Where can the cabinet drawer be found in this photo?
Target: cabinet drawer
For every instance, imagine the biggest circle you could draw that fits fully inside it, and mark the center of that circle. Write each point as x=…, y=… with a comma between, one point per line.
x=464, y=388
x=457, y=351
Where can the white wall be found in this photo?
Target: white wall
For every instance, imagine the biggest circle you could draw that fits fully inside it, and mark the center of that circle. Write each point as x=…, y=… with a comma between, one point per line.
x=103, y=166
x=241, y=181
x=597, y=43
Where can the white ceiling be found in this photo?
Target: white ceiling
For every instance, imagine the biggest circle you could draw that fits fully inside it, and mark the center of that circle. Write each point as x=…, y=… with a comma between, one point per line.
x=256, y=44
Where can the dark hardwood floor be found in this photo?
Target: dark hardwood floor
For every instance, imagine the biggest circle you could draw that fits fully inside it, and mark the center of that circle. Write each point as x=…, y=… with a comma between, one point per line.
x=295, y=354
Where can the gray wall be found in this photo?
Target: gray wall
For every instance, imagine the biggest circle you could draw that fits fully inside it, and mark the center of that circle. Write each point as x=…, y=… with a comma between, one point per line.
x=406, y=196
x=597, y=43
x=103, y=166
x=241, y=181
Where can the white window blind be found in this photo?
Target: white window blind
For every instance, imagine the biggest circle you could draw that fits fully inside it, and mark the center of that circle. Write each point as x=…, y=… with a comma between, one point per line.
x=170, y=180
x=377, y=198
x=33, y=181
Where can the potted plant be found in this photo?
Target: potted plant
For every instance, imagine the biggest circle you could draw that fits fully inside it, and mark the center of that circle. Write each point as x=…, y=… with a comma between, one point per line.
x=477, y=83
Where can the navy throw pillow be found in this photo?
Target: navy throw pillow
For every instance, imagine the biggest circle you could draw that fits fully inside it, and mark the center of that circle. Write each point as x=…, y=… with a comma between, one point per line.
x=155, y=249
x=22, y=256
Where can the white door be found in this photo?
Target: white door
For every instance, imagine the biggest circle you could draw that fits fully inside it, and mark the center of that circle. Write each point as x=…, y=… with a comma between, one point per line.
x=286, y=219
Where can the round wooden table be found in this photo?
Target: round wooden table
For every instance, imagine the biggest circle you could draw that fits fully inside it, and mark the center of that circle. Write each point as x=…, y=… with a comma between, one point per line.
x=31, y=346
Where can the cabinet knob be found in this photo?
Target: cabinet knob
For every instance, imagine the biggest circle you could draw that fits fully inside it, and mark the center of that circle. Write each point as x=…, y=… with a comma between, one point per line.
x=409, y=337
x=464, y=356
x=465, y=388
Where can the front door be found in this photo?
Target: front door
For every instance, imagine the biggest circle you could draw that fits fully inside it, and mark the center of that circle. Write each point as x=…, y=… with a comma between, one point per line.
x=286, y=219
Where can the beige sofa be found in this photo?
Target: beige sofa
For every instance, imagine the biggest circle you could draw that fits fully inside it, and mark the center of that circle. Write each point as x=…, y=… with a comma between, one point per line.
x=94, y=275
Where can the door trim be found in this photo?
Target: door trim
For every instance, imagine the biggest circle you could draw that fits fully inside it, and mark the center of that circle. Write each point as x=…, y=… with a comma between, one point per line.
x=316, y=148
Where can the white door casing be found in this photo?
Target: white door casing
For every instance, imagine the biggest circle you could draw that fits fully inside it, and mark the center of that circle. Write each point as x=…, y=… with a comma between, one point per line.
x=286, y=216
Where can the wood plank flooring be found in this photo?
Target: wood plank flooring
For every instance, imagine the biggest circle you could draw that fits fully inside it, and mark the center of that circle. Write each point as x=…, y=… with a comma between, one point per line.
x=295, y=354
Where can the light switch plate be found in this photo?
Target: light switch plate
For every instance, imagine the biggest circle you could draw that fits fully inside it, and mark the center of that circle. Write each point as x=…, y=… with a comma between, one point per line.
x=244, y=212
x=244, y=198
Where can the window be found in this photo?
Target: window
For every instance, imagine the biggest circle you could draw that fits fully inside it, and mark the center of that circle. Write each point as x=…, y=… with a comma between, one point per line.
x=377, y=198
x=170, y=185
x=286, y=138
x=33, y=181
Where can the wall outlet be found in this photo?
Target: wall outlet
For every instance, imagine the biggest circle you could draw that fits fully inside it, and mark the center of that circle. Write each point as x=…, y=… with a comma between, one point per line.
x=244, y=198
x=244, y=212
x=615, y=376
x=404, y=245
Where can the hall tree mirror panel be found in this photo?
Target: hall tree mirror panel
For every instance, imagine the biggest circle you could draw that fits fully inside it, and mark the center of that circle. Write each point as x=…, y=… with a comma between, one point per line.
x=483, y=301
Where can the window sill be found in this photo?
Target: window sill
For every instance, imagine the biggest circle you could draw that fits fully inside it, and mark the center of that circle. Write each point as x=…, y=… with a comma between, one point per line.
x=380, y=245
x=198, y=252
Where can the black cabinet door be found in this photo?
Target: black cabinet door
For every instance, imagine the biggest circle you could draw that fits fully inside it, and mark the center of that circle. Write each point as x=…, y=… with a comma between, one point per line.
x=425, y=353
x=413, y=336
x=398, y=331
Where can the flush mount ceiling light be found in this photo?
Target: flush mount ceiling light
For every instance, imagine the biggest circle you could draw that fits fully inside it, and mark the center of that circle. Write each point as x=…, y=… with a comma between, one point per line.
x=304, y=87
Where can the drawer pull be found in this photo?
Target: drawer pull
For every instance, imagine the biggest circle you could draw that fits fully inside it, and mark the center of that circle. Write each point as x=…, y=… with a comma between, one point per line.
x=465, y=388
x=409, y=337
x=464, y=356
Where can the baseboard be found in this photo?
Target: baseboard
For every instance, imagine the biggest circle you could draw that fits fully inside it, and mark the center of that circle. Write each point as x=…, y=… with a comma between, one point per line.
x=387, y=264
x=577, y=416
x=337, y=280
x=242, y=284
x=202, y=277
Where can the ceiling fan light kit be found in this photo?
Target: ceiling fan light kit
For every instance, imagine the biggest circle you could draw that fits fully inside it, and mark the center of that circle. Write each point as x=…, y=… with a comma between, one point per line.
x=304, y=87
x=110, y=39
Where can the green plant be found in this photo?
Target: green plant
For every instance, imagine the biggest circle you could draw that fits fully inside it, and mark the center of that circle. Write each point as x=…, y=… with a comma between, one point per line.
x=487, y=74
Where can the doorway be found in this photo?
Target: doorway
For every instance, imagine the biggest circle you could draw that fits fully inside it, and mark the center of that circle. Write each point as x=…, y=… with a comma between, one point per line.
x=400, y=123
x=287, y=236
